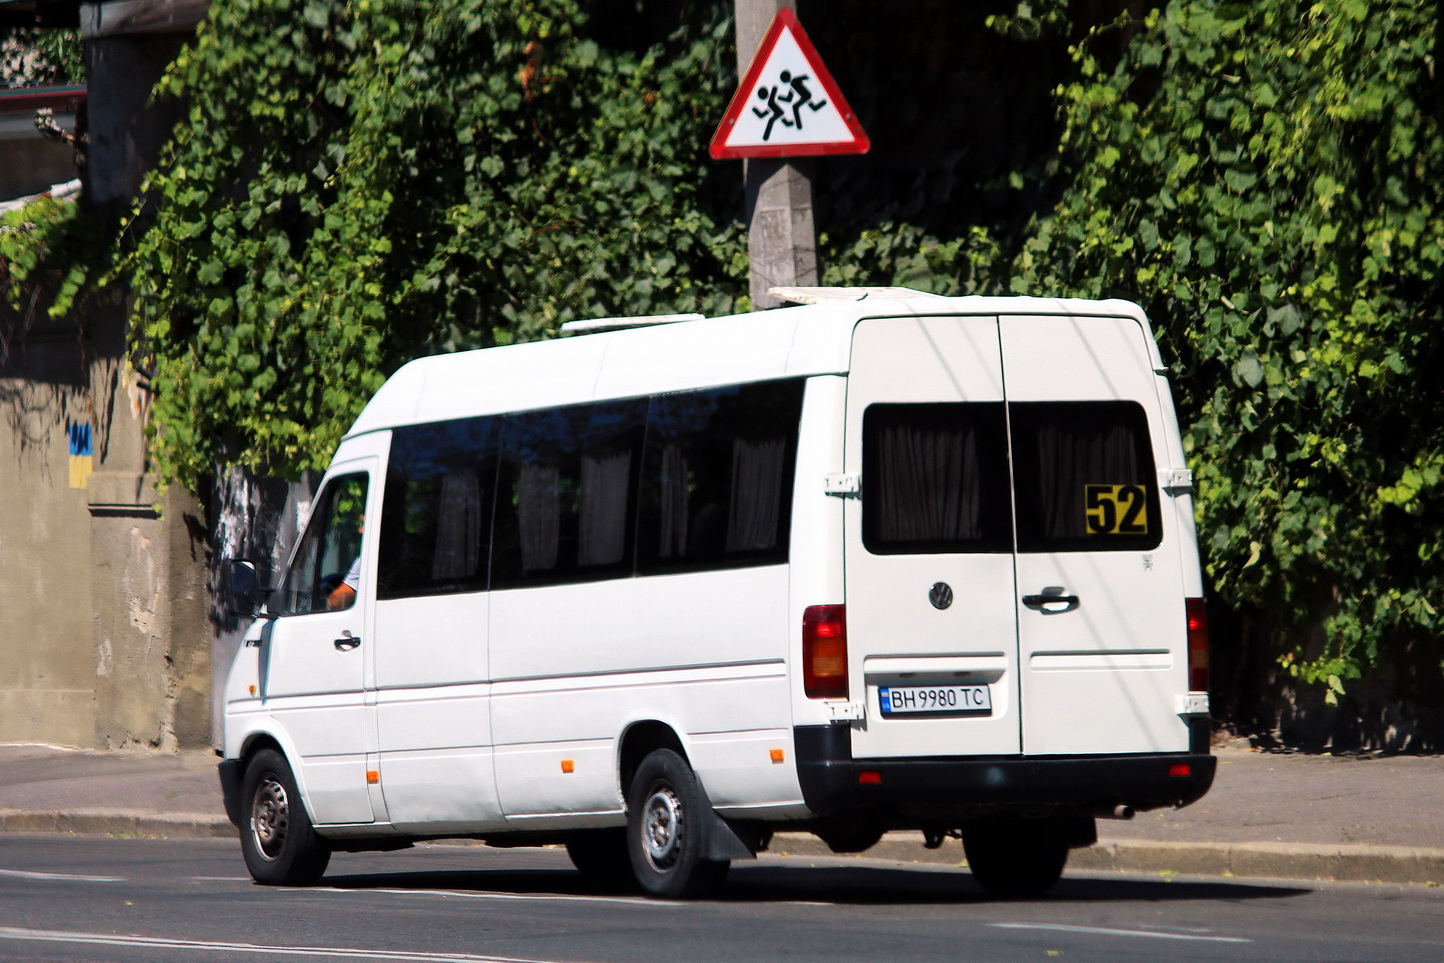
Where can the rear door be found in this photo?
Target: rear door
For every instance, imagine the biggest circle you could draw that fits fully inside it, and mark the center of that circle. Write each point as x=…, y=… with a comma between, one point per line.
x=1010, y=585
x=1101, y=624
x=931, y=601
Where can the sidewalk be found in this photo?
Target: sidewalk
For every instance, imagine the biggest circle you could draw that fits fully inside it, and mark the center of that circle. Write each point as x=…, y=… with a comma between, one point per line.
x=1268, y=814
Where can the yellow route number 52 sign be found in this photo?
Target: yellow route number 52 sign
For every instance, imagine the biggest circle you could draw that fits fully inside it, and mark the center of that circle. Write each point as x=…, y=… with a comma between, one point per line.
x=1116, y=509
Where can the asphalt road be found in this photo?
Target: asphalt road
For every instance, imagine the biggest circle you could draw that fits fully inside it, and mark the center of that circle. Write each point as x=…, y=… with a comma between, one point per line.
x=73, y=899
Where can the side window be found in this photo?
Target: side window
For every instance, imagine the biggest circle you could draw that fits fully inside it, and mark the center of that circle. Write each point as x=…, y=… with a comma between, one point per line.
x=717, y=477
x=1084, y=477
x=325, y=573
x=566, y=505
x=935, y=479
x=436, y=516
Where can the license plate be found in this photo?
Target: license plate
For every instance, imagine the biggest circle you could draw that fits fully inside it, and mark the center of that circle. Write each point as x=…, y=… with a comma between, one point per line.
x=908, y=700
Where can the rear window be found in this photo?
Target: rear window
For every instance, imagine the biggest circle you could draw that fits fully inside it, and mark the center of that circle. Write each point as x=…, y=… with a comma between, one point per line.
x=936, y=478
x=1084, y=477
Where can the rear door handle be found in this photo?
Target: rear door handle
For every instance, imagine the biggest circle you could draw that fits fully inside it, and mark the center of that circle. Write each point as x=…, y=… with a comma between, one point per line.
x=347, y=641
x=1049, y=597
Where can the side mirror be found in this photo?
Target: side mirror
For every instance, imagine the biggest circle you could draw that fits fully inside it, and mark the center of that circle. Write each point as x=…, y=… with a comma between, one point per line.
x=245, y=594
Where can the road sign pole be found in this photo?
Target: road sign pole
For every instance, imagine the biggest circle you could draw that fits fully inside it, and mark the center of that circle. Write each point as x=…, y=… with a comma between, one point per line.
x=781, y=236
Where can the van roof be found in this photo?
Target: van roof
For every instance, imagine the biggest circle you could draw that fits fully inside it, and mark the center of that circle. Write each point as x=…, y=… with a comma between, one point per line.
x=810, y=339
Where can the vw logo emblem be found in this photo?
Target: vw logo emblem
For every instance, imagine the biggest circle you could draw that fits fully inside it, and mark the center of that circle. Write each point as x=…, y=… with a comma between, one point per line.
x=941, y=595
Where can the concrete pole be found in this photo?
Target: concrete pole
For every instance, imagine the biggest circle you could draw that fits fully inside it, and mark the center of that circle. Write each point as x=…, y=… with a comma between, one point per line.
x=781, y=236
x=152, y=658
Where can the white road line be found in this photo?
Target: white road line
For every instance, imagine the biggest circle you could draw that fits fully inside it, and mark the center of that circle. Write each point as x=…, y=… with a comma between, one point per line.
x=64, y=877
x=106, y=939
x=1105, y=931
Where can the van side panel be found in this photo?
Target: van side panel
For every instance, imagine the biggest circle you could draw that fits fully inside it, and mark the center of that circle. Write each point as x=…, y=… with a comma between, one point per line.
x=432, y=713
x=816, y=572
x=575, y=665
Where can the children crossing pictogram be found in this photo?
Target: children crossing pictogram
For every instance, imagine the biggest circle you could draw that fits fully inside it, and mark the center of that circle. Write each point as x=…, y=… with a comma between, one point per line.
x=788, y=104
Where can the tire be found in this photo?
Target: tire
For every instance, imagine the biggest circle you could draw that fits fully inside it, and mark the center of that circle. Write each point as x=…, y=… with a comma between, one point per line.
x=601, y=856
x=1015, y=858
x=280, y=847
x=666, y=822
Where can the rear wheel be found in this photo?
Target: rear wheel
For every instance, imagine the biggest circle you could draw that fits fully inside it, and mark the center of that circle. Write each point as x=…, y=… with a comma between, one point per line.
x=601, y=855
x=1015, y=858
x=666, y=820
x=280, y=847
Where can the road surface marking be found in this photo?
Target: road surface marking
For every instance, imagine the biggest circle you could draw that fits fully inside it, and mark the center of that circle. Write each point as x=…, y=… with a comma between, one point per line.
x=65, y=877
x=106, y=939
x=1105, y=931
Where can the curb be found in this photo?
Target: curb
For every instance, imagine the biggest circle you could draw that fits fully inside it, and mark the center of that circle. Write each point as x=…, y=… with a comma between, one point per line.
x=1303, y=861
x=117, y=822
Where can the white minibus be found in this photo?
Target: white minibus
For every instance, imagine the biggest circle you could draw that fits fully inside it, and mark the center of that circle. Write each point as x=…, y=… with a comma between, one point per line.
x=882, y=561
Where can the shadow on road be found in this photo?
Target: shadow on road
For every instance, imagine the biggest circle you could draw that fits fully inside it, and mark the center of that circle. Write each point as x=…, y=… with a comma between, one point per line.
x=844, y=885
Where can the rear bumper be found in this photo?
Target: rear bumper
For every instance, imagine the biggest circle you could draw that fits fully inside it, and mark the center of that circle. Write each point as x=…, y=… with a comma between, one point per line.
x=926, y=789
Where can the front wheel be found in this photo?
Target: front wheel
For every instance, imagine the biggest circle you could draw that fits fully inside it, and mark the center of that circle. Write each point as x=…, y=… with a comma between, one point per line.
x=666, y=820
x=280, y=847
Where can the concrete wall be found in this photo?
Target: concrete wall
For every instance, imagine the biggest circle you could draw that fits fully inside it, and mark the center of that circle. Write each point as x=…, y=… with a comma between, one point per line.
x=105, y=637
x=47, y=662
x=148, y=566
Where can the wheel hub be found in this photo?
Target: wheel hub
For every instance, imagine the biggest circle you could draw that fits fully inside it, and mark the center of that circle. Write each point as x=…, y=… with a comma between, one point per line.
x=270, y=817
x=662, y=826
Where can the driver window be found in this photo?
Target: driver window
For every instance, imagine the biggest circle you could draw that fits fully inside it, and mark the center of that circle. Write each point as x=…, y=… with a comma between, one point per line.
x=326, y=572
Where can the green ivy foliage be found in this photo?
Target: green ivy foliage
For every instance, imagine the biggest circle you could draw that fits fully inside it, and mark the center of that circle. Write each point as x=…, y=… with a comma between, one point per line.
x=361, y=183
x=53, y=253
x=1265, y=179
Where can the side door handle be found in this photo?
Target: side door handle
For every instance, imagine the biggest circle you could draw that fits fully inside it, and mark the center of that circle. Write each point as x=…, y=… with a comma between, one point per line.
x=1050, y=597
x=347, y=641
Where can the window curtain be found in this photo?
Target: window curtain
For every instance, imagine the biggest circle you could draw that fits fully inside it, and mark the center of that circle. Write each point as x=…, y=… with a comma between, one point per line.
x=538, y=494
x=1072, y=455
x=458, y=529
x=928, y=488
x=756, y=502
x=602, y=528
x=673, y=508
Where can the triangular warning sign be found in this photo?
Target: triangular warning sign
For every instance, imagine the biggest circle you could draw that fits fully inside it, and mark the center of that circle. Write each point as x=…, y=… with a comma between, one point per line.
x=787, y=105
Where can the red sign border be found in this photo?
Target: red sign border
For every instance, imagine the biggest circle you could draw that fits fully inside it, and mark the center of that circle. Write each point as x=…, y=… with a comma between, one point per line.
x=786, y=19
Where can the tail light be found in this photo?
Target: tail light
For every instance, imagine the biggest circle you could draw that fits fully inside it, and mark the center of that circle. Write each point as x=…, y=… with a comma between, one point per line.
x=1197, y=645
x=824, y=652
